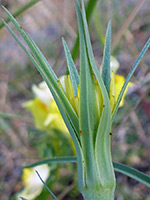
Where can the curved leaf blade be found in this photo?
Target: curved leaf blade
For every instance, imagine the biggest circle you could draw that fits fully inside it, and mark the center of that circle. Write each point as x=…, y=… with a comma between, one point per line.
x=53, y=160
x=118, y=167
x=133, y=173
x=146, y=46
x=47, y=73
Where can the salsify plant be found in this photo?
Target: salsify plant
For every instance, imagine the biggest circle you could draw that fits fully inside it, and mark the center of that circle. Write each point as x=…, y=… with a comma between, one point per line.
x=45, y=111
x=88, y=106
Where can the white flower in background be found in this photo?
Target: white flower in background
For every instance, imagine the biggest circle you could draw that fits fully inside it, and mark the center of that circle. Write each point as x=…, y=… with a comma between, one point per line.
x=114, y=64
x=44, y=109
x=42, y=92
x=32, y=183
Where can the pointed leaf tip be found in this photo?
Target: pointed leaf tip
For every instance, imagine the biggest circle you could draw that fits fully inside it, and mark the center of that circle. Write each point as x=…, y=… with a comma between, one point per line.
x=106, y=58
x=72, y=68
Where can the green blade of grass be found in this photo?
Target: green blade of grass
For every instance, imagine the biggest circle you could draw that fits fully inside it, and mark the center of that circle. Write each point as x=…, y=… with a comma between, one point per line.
x=106, y=59
x=47, y=73
x=133, y=173
x=20, y=11
x=75, y=139
x=36, y=64
x=53, y=160
x=52, y=194
x=89, y=10
x=118, y=167
x=92, y=59
x=72, y=131
x=146, y=46
x=72, y=69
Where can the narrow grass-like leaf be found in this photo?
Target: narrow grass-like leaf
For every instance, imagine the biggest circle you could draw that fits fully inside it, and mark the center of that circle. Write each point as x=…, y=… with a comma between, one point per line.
x=52, y=194
x=53, y=160
x=47, y=74
x=30, y=43
x=23, y=198
x=146, y=46
x=118, y=167
x=133, y=173
x=75, y=139
x=72, y=132
x=72, y=69
x=20, y=11
x=36, y=64
x=106, y=59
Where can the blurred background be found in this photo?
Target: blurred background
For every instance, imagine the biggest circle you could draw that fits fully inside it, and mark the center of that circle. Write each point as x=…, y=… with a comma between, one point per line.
x=22, y=144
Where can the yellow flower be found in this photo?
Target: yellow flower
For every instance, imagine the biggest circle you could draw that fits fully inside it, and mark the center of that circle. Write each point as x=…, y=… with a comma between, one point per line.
x=32, y=183
x=44, y=109
x=116, y=84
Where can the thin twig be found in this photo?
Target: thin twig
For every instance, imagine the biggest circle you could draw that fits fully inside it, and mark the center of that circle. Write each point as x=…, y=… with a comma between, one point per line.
x=127, y=23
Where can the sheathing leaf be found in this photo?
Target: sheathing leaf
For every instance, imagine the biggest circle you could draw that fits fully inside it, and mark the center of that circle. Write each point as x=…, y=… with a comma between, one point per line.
x=103, y=152
x=87, y=97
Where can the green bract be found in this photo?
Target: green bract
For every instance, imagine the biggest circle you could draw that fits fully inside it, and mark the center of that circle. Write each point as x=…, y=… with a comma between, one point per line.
x=90, y=127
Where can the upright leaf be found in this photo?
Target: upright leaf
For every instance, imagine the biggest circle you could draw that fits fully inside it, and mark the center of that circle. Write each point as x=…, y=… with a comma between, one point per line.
x=72, y=69
x=87, y=105
x=102, y=152
x=106, y=59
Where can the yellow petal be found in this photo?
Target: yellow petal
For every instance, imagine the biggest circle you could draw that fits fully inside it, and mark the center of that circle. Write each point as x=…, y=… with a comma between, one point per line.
x=112, y=91
x=39, y=111
x=32, y=184
x=54, y=119
x=119, y=81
